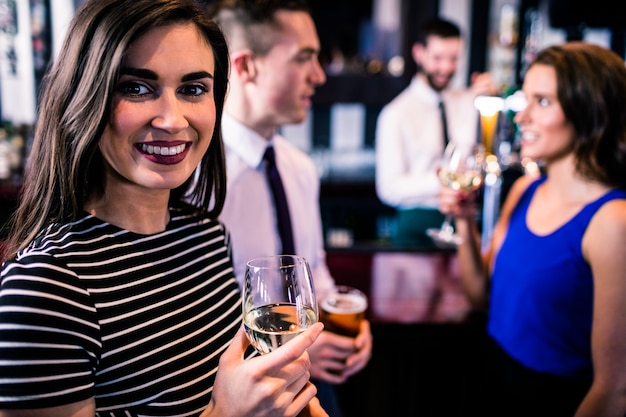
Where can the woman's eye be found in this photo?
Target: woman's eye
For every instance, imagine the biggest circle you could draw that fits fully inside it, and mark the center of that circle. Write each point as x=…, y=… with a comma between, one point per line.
x=133, y=89
x=193, y=90
x=543, y=102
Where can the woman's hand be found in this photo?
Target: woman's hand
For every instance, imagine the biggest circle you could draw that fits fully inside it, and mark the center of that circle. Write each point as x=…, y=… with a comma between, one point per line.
x=461, y=204
x=274, y=384
x=313, y=409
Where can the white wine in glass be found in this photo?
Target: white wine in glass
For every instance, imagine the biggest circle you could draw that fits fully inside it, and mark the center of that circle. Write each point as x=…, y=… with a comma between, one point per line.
x=278, y=300
x=461, y=169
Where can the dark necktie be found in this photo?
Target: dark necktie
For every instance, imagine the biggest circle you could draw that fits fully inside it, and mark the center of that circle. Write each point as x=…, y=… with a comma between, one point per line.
x=280, y=202
x=444, y=123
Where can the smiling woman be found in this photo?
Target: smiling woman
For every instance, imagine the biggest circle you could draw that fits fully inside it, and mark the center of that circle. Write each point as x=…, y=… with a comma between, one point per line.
x=117, y=287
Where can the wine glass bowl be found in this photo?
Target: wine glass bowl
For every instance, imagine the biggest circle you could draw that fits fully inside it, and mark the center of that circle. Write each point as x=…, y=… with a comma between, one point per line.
x=464, y=181
x=461, y=169
x=278, y=300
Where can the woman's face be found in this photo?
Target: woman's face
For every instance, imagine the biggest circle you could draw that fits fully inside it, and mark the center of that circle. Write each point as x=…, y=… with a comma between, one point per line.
x=163, y=110
x=546, y=133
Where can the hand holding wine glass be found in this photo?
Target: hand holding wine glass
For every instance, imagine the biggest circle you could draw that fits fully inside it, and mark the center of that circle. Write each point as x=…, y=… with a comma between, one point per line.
x=278, y=300
x=461, y=169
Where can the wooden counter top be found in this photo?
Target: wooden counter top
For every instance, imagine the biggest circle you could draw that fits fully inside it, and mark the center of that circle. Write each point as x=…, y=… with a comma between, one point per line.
x=404, y=286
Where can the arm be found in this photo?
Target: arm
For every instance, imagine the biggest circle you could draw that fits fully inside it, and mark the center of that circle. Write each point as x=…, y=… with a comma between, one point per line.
x=333, y=358
x=65, y=329
x=475, y=266
x=85, y=408
x=604, y=247
x=277, y=381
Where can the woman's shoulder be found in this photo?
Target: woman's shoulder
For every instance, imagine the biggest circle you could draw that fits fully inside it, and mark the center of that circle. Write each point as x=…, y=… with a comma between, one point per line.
x=48, y=254
x=524, y=181
x=519, y=187
x=610, y=217
x=59, y=236
x=604, y=241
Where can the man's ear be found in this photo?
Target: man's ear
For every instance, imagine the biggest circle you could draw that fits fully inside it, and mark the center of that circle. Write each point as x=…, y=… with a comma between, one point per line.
x=416, y=51
x=243, y=64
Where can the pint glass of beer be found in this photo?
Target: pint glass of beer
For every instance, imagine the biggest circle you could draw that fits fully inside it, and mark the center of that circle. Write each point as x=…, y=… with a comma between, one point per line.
x=342, y=310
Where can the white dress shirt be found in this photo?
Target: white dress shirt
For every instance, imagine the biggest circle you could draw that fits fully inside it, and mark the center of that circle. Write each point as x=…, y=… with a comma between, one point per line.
x=409, y=142
x=249, y=213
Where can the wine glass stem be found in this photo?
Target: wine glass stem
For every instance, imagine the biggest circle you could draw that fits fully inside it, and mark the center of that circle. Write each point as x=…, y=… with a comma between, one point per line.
x=446, y=226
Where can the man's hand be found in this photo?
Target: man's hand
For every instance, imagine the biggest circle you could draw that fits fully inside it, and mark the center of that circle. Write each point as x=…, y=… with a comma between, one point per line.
x=334, y=358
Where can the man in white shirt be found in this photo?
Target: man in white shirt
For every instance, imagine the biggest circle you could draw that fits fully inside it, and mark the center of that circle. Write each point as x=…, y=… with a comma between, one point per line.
x=249, y=211
x=274, y=72
x=410, y=131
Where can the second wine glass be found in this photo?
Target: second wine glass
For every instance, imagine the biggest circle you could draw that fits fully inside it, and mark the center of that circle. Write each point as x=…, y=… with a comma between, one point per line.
x=461, y=169
x=278, y=300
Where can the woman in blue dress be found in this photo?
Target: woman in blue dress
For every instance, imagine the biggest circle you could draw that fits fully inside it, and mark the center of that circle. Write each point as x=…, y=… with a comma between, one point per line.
x=554, y=275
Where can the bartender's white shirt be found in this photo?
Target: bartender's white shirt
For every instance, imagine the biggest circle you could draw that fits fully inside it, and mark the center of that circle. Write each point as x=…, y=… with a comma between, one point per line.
x=409, y=142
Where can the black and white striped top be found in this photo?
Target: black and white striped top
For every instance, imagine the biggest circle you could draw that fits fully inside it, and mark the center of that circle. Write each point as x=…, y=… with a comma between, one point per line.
x=136, y=321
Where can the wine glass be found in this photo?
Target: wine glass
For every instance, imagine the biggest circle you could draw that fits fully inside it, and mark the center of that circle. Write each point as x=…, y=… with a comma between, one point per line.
x=461, y=169
x=278, y=300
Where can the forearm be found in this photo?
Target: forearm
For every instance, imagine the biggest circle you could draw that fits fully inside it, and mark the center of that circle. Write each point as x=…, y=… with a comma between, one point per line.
x=473, y=271
x=599, y=403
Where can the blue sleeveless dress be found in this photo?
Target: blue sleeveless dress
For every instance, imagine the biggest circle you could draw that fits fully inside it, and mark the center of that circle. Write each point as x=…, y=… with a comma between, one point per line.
x=542, y=293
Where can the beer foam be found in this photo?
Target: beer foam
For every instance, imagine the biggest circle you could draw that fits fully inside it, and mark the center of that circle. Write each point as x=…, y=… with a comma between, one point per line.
x=344, y=303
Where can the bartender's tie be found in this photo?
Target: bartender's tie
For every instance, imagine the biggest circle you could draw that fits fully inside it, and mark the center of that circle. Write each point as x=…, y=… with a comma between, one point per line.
x=444, y=123
x=280, y=202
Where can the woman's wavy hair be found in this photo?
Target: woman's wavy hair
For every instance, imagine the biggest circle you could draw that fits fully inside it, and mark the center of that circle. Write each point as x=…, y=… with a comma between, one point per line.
x=591, y=88
x=65, y=165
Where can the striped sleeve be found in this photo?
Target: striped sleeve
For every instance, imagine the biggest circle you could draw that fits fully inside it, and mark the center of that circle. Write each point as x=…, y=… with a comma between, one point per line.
x=49, y=335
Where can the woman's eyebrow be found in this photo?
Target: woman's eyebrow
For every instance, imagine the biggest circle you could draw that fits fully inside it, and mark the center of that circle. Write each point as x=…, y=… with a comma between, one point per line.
x=140, y=72
x=151, y=75
x=196, y=76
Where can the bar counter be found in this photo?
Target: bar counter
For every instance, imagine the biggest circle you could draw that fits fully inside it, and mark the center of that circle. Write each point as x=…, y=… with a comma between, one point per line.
x=428, y=342
x=404, y=286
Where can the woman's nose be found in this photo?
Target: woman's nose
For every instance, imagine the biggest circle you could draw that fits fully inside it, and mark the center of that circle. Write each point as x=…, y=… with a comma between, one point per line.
x=518, y=103
x=170, y=115
x=520, y=116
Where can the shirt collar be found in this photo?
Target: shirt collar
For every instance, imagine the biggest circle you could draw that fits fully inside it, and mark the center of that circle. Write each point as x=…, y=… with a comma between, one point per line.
x=242, y=140
x=424, y=91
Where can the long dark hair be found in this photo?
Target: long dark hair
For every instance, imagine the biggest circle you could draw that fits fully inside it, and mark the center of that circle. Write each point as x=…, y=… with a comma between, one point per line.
x=65, y=165
x=591, y=88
